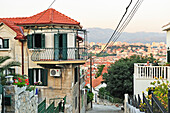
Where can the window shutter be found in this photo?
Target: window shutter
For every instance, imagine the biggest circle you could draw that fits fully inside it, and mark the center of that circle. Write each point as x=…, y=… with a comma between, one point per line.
x=56, y=46
x=29, y=41
x=6, y=43
x=42, y=40
x=64, y=52
x=168, y=56
x=30, y=76
x=44, y=77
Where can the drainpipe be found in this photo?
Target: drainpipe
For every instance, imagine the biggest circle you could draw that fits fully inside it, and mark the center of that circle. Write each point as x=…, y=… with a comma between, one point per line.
x=22, y=55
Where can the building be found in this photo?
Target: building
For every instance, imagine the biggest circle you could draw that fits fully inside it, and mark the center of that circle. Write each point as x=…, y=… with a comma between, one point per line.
x=144, y=75
x=51, y=48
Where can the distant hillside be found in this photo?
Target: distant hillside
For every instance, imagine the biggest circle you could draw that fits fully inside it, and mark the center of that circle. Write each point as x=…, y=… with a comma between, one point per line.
x=103, y=35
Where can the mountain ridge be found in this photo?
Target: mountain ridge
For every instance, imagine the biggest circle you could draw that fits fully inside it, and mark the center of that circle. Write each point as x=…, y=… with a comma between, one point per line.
x=103, y=35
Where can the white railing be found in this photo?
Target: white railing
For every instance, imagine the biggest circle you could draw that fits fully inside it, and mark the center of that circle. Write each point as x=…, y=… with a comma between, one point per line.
x=142, y=71
x=129, y=108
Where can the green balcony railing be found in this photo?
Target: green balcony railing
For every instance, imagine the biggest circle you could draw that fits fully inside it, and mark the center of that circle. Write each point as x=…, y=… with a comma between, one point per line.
x=55, y=54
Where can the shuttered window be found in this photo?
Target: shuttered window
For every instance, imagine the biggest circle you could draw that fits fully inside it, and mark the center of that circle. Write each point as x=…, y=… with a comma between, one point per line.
x=38, y=75
x=60, y=46
x=36, y=41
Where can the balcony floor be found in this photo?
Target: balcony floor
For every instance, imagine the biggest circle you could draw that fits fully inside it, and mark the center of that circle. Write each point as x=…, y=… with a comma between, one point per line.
x=60, y=62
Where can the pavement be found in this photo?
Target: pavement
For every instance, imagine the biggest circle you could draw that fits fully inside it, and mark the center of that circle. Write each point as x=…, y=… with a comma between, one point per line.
x=97, y=108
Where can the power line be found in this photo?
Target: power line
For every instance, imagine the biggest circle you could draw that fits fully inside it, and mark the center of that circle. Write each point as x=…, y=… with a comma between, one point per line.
x=45, y=11
x=117, y=26
x=125, y=23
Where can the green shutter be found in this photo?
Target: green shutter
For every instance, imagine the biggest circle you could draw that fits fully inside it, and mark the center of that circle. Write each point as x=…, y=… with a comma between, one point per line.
x=56, y=46
x=42, y=40
x=29, y=41
x=168, y=56
x=44, y=77
x=64, y=52
x=6, y=43
x=30, y=76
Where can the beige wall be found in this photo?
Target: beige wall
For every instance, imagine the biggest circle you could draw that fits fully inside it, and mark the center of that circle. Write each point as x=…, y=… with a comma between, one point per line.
x=14, y=50
x=57, y=87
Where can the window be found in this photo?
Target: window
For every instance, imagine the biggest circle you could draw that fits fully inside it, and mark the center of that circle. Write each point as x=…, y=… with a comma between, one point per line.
x=38, y=75
x=36, y=41
x=4, y=43
x=75, y=75
x=75, y=102
x=168, y=56
x=9, y=71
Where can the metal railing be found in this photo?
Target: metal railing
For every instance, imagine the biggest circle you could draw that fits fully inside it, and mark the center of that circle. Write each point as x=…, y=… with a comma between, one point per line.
x=55, y=54
x=152, y=105
x=142, y=71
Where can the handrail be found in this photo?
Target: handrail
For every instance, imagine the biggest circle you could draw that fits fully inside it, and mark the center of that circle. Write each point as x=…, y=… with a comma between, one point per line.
x=55, y=54
x=158, y=104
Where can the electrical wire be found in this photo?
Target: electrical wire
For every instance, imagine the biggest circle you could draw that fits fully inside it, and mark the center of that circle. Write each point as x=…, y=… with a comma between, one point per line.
x=117, y=26
x=45, y=11
x=125, y=23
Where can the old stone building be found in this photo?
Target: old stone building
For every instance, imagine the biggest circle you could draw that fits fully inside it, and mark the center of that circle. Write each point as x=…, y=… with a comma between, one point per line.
x=51, y=48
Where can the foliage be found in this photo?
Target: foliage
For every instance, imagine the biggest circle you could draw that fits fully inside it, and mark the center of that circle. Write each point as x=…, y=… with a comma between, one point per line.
x=30, y=88
x=104, y=93
x=20, y=82
x=161, y=91
x=100, y=69
x=8, y=65
x=119, y=79
x=89, y=96
x=142, y=107
x=3, y=59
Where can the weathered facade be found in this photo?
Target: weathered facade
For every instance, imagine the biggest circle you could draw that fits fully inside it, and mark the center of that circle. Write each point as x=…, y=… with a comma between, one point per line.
x=50, y=49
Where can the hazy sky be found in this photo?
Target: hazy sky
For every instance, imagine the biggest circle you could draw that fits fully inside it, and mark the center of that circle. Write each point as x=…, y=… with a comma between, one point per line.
x=150, y=17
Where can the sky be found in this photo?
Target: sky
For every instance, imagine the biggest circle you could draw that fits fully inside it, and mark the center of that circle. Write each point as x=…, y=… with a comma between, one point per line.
x=150, y=17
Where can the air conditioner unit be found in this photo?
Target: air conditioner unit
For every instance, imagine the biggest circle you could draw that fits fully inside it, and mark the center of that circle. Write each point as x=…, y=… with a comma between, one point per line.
x=55, y=72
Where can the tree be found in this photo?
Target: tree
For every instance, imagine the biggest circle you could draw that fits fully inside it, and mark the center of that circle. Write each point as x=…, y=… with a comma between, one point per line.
x=119, y=79
x=6, y=66
x=100, y=69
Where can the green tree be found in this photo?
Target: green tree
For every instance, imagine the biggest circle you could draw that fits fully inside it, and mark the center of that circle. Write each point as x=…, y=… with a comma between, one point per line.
x=100, y=69
x=119, y=79
x=6, y=66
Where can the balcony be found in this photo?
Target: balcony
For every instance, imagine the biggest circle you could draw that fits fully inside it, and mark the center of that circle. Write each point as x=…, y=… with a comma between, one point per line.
x=59, y=55
x=144, y=75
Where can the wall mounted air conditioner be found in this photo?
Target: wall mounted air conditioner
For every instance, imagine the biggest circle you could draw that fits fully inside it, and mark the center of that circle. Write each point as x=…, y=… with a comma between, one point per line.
x=55, y=72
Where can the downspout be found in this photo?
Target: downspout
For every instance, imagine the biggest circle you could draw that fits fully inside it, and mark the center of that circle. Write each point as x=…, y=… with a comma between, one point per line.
x=22, y=50
x=22, y=55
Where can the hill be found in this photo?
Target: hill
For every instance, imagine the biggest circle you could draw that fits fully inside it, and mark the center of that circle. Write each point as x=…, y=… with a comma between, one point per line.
x=103, y=35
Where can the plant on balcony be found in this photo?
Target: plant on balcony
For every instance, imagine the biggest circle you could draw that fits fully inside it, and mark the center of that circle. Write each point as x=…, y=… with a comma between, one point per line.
x=20, y=82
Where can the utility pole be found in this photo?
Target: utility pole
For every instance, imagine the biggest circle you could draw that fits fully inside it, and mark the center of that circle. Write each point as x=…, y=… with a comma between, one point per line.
x=91, y=77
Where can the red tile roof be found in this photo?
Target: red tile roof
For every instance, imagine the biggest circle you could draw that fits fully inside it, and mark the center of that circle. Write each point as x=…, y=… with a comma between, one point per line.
x=97, y=81
x=12, y=25
x=50, y=16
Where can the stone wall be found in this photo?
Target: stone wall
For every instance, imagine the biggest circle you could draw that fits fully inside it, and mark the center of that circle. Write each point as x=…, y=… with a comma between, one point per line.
x=22, y=101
